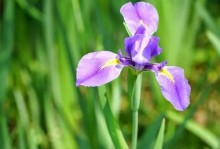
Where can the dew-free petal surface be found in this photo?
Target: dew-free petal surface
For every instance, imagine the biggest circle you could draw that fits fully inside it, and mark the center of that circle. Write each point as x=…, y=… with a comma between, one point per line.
x=174, y=86
x=141, y=48
x=97, y=68
x=131, y=18
x=148, y=14
x=152, y=48
x=140, y=14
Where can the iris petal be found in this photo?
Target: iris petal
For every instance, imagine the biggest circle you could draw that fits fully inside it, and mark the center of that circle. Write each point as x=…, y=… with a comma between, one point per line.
x=141, y=49
x=98, y=68
x=154, y=67
x=140, y=14
x=132, y=44
x=174, y=86
x=148, y=15
x=152, y=48
x=131, y=18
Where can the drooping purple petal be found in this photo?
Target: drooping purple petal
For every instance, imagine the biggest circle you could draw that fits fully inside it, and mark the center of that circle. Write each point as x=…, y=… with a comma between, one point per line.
x=98, y=68
x=174, y=86
x=141, y=13
x=141, y=48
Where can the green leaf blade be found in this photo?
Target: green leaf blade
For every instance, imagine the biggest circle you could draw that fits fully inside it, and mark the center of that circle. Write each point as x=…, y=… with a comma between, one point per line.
x=160, y=137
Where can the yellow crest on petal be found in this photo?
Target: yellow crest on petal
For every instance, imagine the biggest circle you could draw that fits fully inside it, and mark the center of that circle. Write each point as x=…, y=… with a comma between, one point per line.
x=166, y=73
x=111, y=62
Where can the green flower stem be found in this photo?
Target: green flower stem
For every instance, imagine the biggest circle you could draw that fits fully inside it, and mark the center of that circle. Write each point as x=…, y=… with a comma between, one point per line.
x=134, y=91
x=134, y=129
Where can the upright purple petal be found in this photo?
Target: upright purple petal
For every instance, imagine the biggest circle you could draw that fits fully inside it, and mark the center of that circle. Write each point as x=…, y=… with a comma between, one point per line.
x=152, y=48
x=174, y=86
x=141, y=13
x=142, y=55
x=148, y=15
x=131, y=18
x=141, y=48
x=130, y=43
x=98, y=68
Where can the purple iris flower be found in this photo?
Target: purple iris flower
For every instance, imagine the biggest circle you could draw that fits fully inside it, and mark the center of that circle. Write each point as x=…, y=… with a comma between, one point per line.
x=98, y=68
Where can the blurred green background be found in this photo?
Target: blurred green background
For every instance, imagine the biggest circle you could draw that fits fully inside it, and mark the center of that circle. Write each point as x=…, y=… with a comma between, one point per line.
x=41, y=44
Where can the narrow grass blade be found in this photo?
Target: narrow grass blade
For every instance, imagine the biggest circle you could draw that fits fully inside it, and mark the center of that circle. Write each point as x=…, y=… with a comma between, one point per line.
x=22, y=108
x=78, y=16
x=52, y=55
x=52, y=125
x=31, y=10
x=203, y=133
x=116, y=93
x=160, y=137
x=103, y=135
x=5, y=140
x=148, y=138
x=32, y=138
x=6, y=46
x=209, y=21
x=215, y=40
x=112, y=125
x=21, y=135
x=129, y=33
